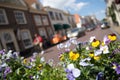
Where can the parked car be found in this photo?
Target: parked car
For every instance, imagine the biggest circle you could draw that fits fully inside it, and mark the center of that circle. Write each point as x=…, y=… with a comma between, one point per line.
x=76, y=32
x=90, y=28
x=104, y=25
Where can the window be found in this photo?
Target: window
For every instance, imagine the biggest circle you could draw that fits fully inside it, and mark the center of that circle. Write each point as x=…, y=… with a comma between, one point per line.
x=45, y=20
x=51, y=15
x=60, y=16
x=42, y=32
x=9, y=41
x=37, y=20
x=3, y=17
x=20, y=17
x=0, y=46
x=57, y=16
x=26, y=37
x=68, y=19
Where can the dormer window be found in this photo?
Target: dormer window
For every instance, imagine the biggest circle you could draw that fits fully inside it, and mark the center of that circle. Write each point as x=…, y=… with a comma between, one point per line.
x=37, y=6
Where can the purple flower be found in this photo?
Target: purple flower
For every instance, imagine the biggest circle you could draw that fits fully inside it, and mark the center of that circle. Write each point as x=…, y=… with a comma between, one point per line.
x=106, y=40
x=2, y=51
x=116, y=67
x=70, y=76
x=7, y=71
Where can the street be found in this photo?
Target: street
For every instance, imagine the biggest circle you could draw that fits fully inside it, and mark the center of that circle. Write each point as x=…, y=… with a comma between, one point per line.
x=53, y=52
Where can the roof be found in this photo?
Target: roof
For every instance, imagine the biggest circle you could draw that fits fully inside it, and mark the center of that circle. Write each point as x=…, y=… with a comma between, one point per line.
x=13, y=4
x=35, y=6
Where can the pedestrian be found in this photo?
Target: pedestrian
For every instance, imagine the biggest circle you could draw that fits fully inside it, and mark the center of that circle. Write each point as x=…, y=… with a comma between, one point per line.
x=38, y=41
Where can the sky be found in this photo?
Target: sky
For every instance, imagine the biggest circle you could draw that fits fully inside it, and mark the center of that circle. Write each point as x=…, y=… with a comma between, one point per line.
x=81, y=7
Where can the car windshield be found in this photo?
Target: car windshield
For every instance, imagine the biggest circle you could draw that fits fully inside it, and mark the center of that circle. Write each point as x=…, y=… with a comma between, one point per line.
x=74, y=30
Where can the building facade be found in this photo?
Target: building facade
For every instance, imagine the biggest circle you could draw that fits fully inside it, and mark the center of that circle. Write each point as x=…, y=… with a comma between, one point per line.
x=113, y=11
x=19, y=22
x=58, y=20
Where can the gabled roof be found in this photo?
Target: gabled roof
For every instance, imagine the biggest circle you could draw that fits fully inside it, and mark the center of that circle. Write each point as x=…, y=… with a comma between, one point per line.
x=17, y=4
x=35, y=6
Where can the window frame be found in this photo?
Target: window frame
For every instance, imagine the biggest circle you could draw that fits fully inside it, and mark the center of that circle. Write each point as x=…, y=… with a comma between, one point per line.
x=36, y=23
x=5, y=17
x=29, y=46
x=23, y=16
x=45, y=20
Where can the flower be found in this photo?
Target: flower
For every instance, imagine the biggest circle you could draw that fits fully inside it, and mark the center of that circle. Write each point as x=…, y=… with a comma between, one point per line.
x=112, y=37
x=105, y=49
x=39, y=67
x=7, y=71
x=96, y=58
x=25, y=61
x=61, y=57
x=116, y=67
x=72, y=72
x=73, y=56
x=97, y=52
x=91, y=54
x=92, y=38
x=106, y=40
x=95, y=43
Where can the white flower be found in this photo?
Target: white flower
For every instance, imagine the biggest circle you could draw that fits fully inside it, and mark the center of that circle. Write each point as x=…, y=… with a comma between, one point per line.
x=86, y=59
x=42, y=59
x=85, y=64
x=92, y=38
x=67, y=44
x=76, y=72
x=70, y=67
x=105, y=49
x=97, y=52
x=9, y=54
x=4, y=65
x=87, y=48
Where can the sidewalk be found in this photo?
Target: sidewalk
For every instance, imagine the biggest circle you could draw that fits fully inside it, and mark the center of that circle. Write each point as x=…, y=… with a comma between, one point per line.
x=116, y=30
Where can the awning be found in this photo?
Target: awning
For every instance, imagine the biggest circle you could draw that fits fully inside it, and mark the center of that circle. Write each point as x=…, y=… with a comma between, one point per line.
x=66, y=26
x=58, y=27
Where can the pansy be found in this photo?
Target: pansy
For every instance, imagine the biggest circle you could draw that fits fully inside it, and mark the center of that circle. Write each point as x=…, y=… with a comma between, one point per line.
x=7, y=71
x=61, y=57
x=73, y=56
x=91, y=54
x=116, y=67
x=25, y=61
x=105, y=49
x=92, y=38
x=112, y=37
x=85, y=62
x=39, y=67
x=96, y=58
x=97, y=52
x=72, y=72
x=95, y=43
x=106, y=40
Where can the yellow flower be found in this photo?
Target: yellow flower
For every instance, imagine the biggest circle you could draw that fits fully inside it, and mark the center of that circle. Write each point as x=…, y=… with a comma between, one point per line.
x=73, y=56
x=61, y=57
x=114, y=67
x=96, y=57
x=112, y=37
x=103, y=44
x=91, y=54
x=39, y=67
x=25, y=61
x=95, y=43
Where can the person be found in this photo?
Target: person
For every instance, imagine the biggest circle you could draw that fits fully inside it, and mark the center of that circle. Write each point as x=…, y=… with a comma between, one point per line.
x=39, y=41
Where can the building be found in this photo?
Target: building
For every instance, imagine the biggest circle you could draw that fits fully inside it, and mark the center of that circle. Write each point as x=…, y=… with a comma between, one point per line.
x=40, y=19
x=113, y=14
x=19, y=21
x=58, y=20
x=113, y=11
